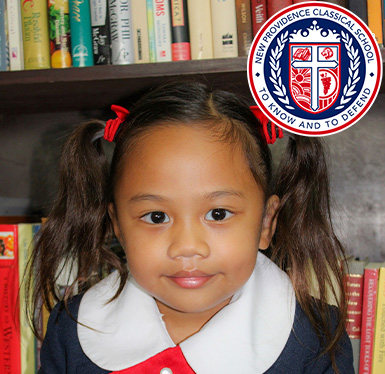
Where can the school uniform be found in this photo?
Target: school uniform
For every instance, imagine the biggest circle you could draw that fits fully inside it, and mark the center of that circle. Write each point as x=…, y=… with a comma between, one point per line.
x=262, y=330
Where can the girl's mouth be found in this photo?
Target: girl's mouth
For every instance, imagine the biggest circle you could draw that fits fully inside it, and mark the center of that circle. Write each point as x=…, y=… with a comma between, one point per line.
x=190, y=280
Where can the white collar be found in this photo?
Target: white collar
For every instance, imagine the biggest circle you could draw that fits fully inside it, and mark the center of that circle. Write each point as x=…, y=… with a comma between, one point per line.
x=246, y=336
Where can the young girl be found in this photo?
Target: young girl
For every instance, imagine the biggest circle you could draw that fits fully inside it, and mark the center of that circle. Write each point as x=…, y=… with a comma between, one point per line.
x=190, y=195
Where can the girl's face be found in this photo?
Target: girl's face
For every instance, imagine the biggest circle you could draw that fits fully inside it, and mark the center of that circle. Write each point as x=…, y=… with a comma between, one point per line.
x=189, y=216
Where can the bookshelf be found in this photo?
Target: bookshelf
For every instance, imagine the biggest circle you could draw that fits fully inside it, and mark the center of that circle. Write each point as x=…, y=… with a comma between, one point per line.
x=38, y=109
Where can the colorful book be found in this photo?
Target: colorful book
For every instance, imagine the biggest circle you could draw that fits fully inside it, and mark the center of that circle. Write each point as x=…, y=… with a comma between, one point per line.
x=224, y=23
x=375, y=19
x=244, y=26
x=180, y=38
x=100, y=31
x=3, y=38
x=59, y=33
x=162, y=29
x=354, y=287
x=274, y=6
x=27, y=338
x=140, y=31
x=359, y=8
x=9, y=287
x=258, y=14
x=34, y=20
x=121, y=32
x=379, y=334
x=15, y=35
x=200, y=30
x=369, y=304
x=81, y=39
x=151, y=30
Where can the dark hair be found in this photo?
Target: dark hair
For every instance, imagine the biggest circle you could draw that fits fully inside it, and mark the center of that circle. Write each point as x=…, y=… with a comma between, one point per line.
x=77, y=227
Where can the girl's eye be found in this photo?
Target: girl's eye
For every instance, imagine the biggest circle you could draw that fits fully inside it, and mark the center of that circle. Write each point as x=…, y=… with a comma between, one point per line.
x=218, y=214
x=156, y=218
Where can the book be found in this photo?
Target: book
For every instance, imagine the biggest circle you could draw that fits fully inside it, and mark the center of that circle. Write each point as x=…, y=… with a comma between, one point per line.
x=3, y=38
x=100, y=32
x=121, y=32
x=180, y=38
x=359, y=8
x=375, y=19
x=258, y=14
x=162, y=30
x=81, y=40
x=244, y=26
x=34, y=20
x=354, y=286
x=59, y=33
x=10, y=360
x=369, y=304
x=15, y=35
x=224, y=23
x=151, y=30
x=379, y=334
x=28, y=341
x=343, y=3
x=140, y=31
x=274, y=6
x=200, y=30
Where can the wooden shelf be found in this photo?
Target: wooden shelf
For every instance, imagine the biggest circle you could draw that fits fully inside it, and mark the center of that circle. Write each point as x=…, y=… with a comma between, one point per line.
x=98, y=87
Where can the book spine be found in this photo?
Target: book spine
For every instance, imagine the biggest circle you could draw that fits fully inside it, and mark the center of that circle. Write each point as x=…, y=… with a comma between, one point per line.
x=140, y=31
x=368, y=319
x=379, y=334
x=59, y=33
x=81, y=40
x=100, y=30
x=258, y=14
x=375, y=19
x=200, y=30
x=34, y=20
x=27, y=339
x=224, y=22
x=244, y=26
x=10, y=359
x=354, y=284
x=274, y=6
x=180, y=38
x=151, y=30
x=3, y=38
x=162, y=28
x=15, y=35
x=121, y=32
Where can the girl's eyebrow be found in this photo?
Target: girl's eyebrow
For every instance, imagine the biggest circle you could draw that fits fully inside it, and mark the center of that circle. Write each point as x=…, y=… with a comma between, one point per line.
x=209, y=196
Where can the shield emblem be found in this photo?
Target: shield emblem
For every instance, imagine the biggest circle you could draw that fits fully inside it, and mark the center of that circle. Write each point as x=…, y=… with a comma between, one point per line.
x=314, y=75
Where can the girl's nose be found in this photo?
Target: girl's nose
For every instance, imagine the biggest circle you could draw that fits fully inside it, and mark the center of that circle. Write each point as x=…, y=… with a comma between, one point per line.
x=188, y=240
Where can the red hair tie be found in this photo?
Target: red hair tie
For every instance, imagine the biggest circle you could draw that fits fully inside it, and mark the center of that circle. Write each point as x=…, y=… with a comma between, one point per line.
x=112, y=125
x=269, y=128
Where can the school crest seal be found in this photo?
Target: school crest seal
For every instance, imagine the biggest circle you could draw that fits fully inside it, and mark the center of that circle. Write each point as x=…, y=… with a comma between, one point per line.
x=314, y=68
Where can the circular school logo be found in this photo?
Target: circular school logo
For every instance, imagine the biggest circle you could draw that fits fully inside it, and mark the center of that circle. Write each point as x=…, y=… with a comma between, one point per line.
x=314, y=68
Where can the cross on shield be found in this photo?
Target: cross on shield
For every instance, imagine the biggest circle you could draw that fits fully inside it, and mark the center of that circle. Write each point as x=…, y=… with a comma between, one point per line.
x=314, y=75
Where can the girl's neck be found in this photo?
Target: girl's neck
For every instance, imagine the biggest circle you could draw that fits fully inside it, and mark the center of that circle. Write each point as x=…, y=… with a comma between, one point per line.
x=181, y=325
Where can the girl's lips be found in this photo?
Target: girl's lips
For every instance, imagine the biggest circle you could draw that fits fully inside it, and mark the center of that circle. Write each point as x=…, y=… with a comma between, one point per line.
x=190, y=280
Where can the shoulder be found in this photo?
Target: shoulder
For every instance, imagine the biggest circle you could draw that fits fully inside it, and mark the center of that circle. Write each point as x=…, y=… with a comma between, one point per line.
x=303, y=349
x=61, y=351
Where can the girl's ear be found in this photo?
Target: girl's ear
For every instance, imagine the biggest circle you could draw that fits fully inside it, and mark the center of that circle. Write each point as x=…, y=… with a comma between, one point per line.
x=269, y=222
x=114, y=220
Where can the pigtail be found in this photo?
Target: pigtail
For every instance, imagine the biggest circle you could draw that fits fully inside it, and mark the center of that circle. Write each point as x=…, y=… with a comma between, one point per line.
x=305, y=244
x=74, y=235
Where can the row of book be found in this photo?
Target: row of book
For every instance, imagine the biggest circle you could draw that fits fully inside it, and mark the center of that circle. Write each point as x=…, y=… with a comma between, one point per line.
x=365, y=287
x=40, y=34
